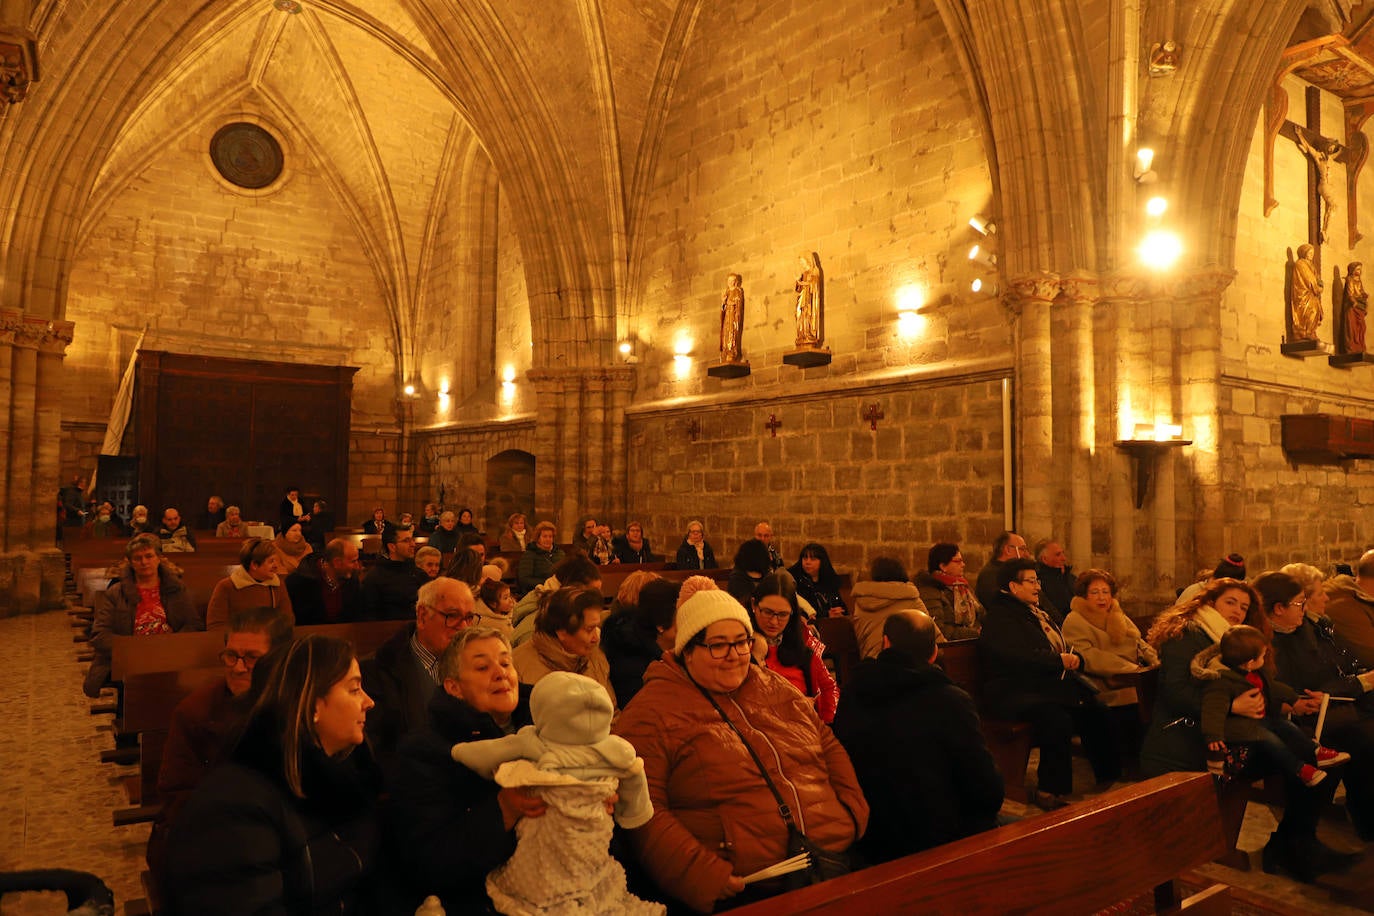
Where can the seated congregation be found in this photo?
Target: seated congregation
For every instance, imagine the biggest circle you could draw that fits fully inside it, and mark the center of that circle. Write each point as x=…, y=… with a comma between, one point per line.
x=631, y=735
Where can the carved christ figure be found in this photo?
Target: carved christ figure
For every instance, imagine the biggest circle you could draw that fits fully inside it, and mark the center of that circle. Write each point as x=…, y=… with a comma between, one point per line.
x=732, y=319
x=1306, y=296
x=1321, y=160
x=808, y=288
x=1356, y=307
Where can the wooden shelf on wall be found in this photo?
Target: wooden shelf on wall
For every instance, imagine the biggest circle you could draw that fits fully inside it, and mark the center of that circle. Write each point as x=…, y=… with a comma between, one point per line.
x=1321, y=436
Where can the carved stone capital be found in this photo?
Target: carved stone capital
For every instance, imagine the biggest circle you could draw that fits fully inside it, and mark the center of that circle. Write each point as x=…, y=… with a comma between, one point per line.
x=1040, y=287
x=1081, y=288
x=1126, y=286
x=58, y=338
x=18, y=64
x=1207, y=283
x=31, y=332
x=10, y=322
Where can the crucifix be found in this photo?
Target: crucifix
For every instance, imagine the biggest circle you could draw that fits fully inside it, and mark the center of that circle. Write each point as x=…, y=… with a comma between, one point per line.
x=773, y=424
x=1321, y=153
x=873, y=413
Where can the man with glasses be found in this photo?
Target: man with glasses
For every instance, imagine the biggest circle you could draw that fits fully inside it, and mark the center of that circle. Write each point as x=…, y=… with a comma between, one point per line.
x=1031, y=674
x=391, y=586
x=203, y=721
x=402, y=676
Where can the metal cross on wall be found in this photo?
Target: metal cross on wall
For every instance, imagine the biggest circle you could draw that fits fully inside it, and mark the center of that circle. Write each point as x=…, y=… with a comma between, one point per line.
x=773, y=424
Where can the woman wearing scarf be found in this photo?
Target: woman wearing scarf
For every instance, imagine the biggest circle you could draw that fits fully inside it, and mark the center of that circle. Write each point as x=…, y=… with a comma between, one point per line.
x=291, y=547
x=1100, y=631
x=567, y=637
x=1174, y=741
x=947, y=594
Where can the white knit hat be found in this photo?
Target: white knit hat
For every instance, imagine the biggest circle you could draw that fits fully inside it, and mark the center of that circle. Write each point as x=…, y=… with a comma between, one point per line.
x=703, y=609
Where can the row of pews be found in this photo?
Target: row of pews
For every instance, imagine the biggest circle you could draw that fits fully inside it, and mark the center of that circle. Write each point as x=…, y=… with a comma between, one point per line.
x=1133, y=841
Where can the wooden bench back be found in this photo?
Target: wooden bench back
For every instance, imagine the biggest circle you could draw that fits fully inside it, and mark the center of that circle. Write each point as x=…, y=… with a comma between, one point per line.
x=959, y=658
x=841, y=645
x=1080, y=859
x=133, y=655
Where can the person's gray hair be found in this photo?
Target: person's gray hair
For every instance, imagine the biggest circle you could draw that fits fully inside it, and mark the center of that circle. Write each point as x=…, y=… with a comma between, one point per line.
x=426, y=552
x=451, y=662
x=143, y=541
x=429, y=592
x=1308, y=576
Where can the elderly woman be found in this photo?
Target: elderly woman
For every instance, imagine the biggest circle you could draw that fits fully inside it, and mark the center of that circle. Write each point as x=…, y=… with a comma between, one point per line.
x=567, y=637
x=817, y=582
x=947, y=594
x=716, y=817
x=429, y=519
x=695, y=552
x=632, y=546
x=233, y=525
x=1174, y=740
x=1028, y=675
x=291, y=547
x=784, y=642
x=884, y=593
x=287, y=824
x=138, y=521
x=446, y=826
x=465, y=522
x=514, y=536
x=1098, y=630
x=445, y=537
x=1308, y=658
x=429, y=559
x=537, y=562
x=253, y=583
x=145, y=598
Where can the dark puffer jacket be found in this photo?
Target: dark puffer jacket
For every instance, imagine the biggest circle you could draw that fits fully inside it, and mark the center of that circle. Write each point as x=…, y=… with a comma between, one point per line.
x=116, y=607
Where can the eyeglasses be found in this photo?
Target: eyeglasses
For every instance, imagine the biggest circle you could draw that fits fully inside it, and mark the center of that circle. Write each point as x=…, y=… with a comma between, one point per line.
x=1299, y=604
x=454, y=620
x=231, y=658
x=775, y=615
x=721, y=650
x=1033, y=580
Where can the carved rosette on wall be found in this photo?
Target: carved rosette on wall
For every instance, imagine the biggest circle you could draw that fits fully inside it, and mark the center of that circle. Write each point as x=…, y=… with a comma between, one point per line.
x=18, y=64
x=246, y=155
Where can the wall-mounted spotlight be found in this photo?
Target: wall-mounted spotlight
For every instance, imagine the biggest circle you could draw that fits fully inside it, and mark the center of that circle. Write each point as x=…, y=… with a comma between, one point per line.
x=1144, y=162
x=1160, y=249
x=409, y=391
x=626, y=348
x=981, y=255
x=1155, y=207
x=983, y=225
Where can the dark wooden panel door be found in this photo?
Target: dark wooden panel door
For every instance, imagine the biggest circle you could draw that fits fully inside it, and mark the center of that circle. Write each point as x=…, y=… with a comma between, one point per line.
x=242, y=429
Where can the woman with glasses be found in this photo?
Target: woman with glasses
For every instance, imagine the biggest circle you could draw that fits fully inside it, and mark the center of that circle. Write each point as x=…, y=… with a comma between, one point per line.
x=567, y=637
x=1032, y=674
x=716, y=819
x=948, y=595
x=784, y=642
x=286, y=825
x=1308, y=658
x=695, y=551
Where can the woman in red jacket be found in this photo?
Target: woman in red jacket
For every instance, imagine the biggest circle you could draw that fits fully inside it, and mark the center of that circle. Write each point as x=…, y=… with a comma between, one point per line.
x=785, y=642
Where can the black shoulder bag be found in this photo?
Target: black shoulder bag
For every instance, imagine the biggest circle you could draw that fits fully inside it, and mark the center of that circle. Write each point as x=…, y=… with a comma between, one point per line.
x=824, y=863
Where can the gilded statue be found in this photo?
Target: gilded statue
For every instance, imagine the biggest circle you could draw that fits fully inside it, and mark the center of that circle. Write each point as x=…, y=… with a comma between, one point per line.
x=808, y=288
x=1305, y=295
x=1356, y=305
x=732, y=319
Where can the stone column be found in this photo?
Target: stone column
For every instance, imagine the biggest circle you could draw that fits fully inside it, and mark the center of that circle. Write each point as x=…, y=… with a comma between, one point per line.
x=48, y=444
x=1029, y=298
x=622, y=382
x=23, y=487
x=595, y=444
x=1079, y=298
x=10, y=321
x=548, y=388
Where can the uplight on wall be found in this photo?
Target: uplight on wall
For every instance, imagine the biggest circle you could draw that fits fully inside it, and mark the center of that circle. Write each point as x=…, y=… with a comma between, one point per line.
x=682, y=356
x=445, y=400
x=409, y=391
x=508, y=384
x=910, y=322
x=1144, y=160
x=1161, y=431
x=626, y=349
x=1156, y=207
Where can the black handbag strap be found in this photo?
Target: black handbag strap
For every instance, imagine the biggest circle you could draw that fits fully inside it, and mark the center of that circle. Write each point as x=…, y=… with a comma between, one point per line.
x=783, y=809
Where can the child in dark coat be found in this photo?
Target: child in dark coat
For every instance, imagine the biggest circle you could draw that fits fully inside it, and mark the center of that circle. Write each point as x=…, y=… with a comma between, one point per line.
x=1236, y=666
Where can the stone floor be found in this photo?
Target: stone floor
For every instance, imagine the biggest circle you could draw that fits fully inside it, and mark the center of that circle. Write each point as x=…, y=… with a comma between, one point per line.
x=57, y=796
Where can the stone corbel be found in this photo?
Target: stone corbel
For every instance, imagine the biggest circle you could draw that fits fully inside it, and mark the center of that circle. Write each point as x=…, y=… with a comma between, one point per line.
x=1080, y=289
x=18, y=63
x=1275, y=113
x=58, y=338
x=1205, y=283
x=10, y=323
x=1357, y=111
x=32, y=332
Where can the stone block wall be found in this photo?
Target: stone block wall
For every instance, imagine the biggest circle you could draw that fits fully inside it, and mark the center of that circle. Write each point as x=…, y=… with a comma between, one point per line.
x=932, y=471
x=1280, y=512
x=456, y=459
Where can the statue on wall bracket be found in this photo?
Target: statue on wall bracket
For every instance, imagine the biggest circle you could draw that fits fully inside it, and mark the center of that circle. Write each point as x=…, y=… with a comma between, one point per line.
x=1350, y=309
x=1304, y=305
x=732, y=362
x=810, y=288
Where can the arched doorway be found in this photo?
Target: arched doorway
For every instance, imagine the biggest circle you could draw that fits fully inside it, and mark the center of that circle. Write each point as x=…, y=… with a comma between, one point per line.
x=510, y=487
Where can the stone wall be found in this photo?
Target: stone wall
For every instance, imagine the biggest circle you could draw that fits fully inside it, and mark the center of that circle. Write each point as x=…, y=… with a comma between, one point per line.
x=932, y=471
x=456, y=459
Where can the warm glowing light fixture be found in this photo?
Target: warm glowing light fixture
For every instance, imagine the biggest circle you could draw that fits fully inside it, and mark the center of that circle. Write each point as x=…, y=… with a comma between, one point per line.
x=1156, y=206
x=910, y=298
x=626, y=348
x=1160, y=249
x=409, y=390
x=982, y=256
x=508, y=375
x=1144, y=160
x=982, y=226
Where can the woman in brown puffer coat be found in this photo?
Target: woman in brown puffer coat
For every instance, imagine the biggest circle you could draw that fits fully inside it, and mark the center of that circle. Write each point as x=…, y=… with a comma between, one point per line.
x=715, y=819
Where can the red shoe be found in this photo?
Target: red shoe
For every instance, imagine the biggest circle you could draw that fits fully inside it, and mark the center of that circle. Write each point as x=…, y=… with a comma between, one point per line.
x=1330, y=757
x=1310, y=775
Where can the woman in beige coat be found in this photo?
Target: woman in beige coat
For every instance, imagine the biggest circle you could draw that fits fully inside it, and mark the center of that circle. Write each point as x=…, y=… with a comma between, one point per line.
x=253, y=583
x=1099, y=631
x=885, y=592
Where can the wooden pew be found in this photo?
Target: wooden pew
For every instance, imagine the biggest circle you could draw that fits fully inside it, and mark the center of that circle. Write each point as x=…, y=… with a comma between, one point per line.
x=1081, y=859
x=841, y=645
x=1009, y=742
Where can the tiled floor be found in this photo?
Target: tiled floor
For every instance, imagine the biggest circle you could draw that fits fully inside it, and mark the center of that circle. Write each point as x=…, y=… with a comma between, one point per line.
x=56, y=798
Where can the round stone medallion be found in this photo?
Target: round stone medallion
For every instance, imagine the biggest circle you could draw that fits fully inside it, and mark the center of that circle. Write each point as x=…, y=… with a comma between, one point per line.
x=246, y=155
